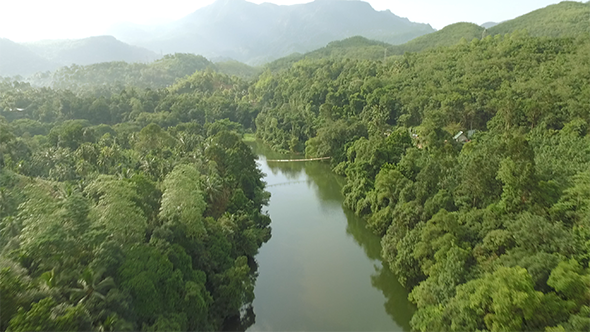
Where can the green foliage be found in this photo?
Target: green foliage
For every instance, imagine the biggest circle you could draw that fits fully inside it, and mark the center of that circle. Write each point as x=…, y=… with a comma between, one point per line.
x=447, y=36
x=47, y=315
x=235, y=68
x=331, y=139
x=357, y=47
x=473, y=225
x=142, y=228
x=115, y=204
x=15, y=293
x=183, y=201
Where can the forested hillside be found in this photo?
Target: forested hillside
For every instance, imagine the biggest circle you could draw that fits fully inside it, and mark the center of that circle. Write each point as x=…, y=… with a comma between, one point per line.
x=489, y=231
x=566, y=19
x=138, y=211
x=111, y=77
x=358, y=48
x=447, y=36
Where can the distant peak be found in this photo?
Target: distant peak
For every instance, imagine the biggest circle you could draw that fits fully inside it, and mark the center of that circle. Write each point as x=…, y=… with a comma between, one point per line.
x=355, y=3
x=229, y=2
x=230, y=5
x=488, y=25
x=104, y=37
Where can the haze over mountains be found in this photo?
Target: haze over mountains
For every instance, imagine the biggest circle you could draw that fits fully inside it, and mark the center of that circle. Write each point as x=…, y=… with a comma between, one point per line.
x=90, y=50
x=234, y=29
x=17, y=59
x=257, y=34
x=29, y=58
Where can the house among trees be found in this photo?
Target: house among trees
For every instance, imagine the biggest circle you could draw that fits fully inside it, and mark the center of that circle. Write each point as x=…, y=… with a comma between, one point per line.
x=462, y=137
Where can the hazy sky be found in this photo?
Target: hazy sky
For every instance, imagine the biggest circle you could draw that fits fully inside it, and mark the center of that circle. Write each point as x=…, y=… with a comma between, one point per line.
x=30, y=20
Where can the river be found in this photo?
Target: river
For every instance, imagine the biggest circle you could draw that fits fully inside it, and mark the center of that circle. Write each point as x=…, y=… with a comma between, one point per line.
x=321, y=270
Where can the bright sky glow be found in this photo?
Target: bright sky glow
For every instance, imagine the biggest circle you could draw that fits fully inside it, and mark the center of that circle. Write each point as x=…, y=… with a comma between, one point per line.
x=31, y=20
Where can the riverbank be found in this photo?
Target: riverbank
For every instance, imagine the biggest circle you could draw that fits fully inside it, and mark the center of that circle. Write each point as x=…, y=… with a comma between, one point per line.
x=322, y=269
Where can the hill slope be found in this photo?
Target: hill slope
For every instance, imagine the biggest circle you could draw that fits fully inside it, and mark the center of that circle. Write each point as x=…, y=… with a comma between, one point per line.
x=448, y=36
x=567, y=18
x=357, y=47
x=108, y=77
x=258, y=33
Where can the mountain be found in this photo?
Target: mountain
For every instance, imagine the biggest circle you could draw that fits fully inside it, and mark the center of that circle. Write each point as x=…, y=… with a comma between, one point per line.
x=16, y=59
x=256, y=34
x=488, y=25
x=565, y=19
x=90, y=50
x=47, y=55
x=236, y=68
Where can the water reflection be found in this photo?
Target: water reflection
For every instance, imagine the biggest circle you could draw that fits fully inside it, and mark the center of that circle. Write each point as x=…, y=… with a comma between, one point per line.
x=397, y=305
x=241, y=322
x=313, y=275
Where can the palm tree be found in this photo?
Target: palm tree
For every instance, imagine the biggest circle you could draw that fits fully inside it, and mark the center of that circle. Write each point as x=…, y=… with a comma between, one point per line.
x=213, y=186
x=91, y=285
x=10, y=228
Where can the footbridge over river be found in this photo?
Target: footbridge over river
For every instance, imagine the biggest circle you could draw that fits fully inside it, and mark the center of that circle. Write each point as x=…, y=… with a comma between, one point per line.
x=293, y=160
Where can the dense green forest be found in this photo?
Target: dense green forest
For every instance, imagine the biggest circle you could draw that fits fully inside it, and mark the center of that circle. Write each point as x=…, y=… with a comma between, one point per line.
x=133, y=204
x=118, y=216
x=489, y=232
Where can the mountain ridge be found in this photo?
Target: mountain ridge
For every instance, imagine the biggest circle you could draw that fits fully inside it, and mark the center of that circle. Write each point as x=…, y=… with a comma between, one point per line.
x=90, y=50
x=17, y=59
x=567, y=20
x=256, y=34
x=47, y=55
